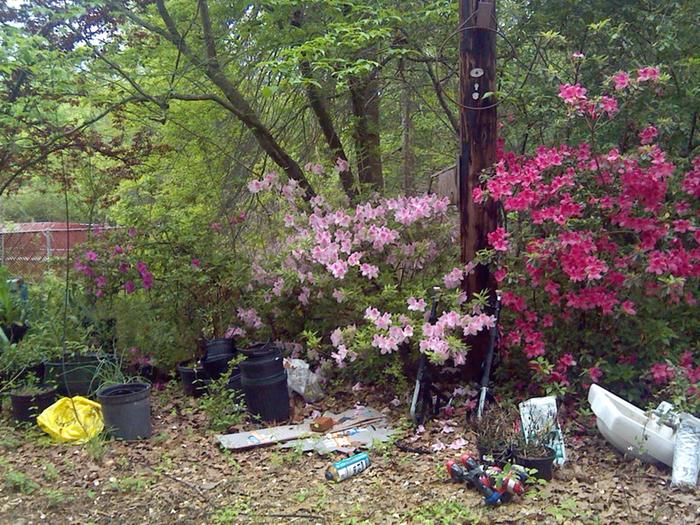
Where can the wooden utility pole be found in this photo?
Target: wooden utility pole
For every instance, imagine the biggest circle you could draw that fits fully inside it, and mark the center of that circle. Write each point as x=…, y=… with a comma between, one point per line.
x=477, y=69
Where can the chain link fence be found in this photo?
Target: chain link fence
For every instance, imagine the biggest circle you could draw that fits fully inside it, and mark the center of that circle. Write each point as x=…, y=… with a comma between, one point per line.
x=28, y=249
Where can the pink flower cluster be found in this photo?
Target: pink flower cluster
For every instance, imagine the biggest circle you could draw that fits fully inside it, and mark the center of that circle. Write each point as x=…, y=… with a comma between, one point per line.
x=663, y=373
x=436, y=340
x=111, y=270
x=597, y=230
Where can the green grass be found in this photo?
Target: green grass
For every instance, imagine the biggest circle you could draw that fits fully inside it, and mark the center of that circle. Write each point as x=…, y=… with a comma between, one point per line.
x=19, y=482
x=443, y=513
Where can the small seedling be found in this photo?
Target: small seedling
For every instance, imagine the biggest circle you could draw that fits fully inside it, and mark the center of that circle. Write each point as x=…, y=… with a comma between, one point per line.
x=50, y=472
x=20, y=482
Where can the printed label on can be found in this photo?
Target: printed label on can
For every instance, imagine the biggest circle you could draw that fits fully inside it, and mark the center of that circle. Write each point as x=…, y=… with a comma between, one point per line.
x=348, y=467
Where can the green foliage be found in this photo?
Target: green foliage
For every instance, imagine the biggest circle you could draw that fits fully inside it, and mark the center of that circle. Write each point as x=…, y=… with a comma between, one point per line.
x=19, y=482
x=444, y=512
x=225, y=407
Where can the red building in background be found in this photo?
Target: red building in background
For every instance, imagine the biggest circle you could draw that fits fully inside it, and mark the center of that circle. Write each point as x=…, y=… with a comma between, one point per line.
x=26, y=248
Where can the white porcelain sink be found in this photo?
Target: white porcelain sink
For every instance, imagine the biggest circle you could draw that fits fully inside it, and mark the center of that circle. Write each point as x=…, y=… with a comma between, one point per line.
x=629, y=429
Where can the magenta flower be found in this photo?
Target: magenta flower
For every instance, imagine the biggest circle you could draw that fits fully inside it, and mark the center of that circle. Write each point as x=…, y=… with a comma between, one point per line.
x=341, y=165
x=100, y=281
x=118, y=249
x=648, y=73
x=648, y=134
x=498, y=239
x=369, y=270
x=621, y=80
x=255, y=186
x=132, y=232
x=129, y=287
x=628, y=308
x=572, y=94
x=595, y=374
x=196, y=263
x=91, y=256
x=416, y=305
x=147, y=280
x=661, y=373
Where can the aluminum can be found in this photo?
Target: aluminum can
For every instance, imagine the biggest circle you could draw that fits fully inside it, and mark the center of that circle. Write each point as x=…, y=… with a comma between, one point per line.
x=348, y=467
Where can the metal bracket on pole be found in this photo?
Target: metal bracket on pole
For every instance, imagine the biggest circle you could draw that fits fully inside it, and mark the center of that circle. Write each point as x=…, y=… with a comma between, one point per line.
x=485, y=18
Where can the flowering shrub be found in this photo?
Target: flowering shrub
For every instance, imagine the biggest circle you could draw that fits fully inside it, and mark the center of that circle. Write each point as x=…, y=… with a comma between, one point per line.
x=361, y=275
x=110, y=268
x=168, y=287
x=601, y=259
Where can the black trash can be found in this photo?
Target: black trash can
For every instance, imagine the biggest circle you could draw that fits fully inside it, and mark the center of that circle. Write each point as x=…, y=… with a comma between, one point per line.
x=264, y=382
x=126, y=409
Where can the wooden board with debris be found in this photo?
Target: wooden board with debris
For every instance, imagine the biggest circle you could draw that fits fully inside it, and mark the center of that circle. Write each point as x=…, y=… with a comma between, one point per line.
x=350, y=419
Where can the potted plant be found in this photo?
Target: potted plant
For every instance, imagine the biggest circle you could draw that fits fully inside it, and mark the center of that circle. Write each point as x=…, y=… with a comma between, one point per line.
x=126, y=403
x=75, y=372
x=30, y=397
x=495, y=435
x=193, y=377
x=534, y=451
x=13, y=308
x=22, y=359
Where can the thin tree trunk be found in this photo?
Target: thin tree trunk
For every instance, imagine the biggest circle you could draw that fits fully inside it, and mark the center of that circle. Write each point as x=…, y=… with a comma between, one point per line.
x=239, y=105
x=318, y=105
x=364, y=95
x=408, y=158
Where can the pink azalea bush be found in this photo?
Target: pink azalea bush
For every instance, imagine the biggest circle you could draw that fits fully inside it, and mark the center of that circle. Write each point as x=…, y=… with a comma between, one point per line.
x=354, y=280
x=601, y=256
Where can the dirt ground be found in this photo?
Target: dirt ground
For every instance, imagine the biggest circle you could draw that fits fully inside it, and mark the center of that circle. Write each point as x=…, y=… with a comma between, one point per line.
x=181, y=476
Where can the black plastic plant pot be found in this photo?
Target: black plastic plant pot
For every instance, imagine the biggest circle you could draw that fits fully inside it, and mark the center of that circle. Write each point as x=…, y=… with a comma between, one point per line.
x=15, y=332
x=544, y=465
x=267, y=397
x=261, y=350
x=27, y=406
x=126, y=409
x=219, y=353
x=77, y=376
x=215, y=368
x=499, y=456
x=194, y=379
x=234, y=380
x=36, y=371
x=262, y=363
x=217, y=348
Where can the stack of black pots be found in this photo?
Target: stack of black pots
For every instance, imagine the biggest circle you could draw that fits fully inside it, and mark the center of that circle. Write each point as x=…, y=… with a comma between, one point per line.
x=196, y=375
x=218, y=354
x=264, y=382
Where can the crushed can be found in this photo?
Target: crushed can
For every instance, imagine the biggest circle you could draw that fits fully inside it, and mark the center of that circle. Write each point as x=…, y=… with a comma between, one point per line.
x=348, y=467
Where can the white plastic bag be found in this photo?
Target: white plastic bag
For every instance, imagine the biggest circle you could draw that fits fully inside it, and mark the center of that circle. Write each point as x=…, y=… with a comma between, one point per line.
x=540, y=413
x=686, y=455
x=302, y=380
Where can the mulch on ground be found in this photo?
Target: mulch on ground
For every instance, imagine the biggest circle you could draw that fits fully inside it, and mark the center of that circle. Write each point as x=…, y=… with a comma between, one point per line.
x=181, y=475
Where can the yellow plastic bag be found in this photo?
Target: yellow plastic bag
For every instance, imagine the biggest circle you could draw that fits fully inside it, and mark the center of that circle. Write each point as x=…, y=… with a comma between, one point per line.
x=72, y=420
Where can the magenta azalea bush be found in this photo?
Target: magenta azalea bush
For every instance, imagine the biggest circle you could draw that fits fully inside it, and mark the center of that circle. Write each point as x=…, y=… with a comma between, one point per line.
x=600, y=257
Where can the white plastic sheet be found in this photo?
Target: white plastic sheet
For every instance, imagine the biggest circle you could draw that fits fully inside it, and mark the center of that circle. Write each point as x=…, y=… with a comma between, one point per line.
x=302, y=380
x=686, y=455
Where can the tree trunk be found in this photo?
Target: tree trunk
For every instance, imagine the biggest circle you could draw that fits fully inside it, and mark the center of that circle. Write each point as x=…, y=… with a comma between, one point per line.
x=318, y=105
x=239, y=105
x=364, y=95
x=408, y=159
